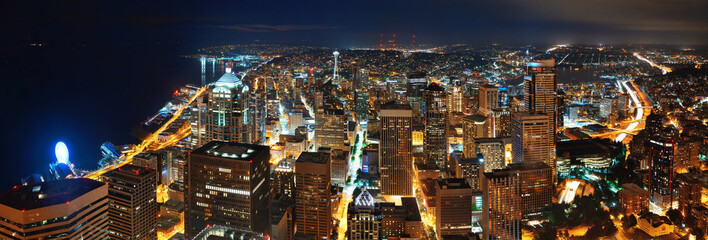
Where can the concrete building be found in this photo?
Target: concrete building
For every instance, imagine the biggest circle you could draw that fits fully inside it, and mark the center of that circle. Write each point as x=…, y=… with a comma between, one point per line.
x=313, y=194
x=540, y=90
x=218, y=174
x=502, y=211
x=533, y=139
x=493, y=151
x=69, y=208
x=454, y=202
x=133, y=210
x=473, y=127
x=633, y=199
x=331, y=129
x=364, y=218
x=488, y=99
x=401, y=221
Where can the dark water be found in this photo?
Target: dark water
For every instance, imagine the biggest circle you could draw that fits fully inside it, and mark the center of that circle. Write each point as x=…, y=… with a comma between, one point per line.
x=82, y=96
x=577, y=75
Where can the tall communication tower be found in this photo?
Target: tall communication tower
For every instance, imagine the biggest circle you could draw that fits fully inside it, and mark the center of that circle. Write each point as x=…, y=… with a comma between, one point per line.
x=336, y=55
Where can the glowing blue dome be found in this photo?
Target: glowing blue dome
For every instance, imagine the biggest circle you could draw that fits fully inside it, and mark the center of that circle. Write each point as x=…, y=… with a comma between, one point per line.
x=62, y=153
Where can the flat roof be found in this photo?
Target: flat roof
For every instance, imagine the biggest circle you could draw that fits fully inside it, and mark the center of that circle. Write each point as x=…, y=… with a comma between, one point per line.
x=49, y=193
x=237, y=151
x=313, y=157
x=131, y=170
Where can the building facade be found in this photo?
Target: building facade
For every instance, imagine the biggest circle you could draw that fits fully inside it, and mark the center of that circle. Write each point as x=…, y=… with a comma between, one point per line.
x=396, y=150
x=313, y=194
x=226, y=185
x=132, y=199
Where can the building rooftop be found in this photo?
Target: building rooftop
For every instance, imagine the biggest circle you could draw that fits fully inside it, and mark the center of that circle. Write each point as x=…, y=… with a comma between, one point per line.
x=434, y=87
x=694, y=178
x=237, y=151
x=476, y=118
x=313, y=157
x=582, y=147
x=633, y=189
x=453, y=183
x=48, y=193
x=394, y=106
x=131, y=170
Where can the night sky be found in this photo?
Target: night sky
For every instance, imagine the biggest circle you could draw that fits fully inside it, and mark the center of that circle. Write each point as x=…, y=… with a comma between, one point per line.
x=359, y=23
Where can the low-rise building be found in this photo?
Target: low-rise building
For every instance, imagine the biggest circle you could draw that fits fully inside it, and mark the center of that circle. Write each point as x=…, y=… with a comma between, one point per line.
x=633, y=199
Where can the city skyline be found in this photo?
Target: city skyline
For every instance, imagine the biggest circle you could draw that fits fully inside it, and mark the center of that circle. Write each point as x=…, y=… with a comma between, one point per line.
x=365, y=120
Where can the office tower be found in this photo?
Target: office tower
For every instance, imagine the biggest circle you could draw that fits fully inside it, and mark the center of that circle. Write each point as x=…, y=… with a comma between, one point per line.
x=473, y=126
x=415, y=86
x=532, y=138
x=331, y=129
x=454, y=207
x=633, y=199
x=662, y=150
x=502, y=212
x=455, y=97
x=284, y=178
x=401, y=220
x=364, y=218
x=492, y=151
x=152, y=160
x=607, y=107
x=41, y=211
x=470, y=169
x=132, y=211
x=227, y=116
x=488, y=99
x=396, y=149
x=500, y=122
x=313, y=200
x=228, y=184
x=540, y=89
x=361, y=94
x=435, y=125
x=295, y=120
x=536, y=189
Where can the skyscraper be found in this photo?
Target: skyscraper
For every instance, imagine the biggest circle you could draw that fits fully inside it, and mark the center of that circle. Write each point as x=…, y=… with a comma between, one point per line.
x=396, y=149
x=228, y=184
x=492, y=151
x=133, y=206
x=488, y=99
x=331, y=129
x=364, y=218
x=662, y=150
x=42, y=210
x=532, y=138
x=453, y=209
x=473, y=127
x=540, y=88
x=313, y=194
x=502, y=212
x=227, y=117
x=435, y=125
x=500, y=121
x=536, y=189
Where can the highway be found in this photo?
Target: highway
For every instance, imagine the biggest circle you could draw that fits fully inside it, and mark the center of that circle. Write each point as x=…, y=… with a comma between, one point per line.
x=640, y=102
x=664, y=69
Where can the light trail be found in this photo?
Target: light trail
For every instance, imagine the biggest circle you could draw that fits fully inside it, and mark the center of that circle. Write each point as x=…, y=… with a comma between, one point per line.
x=348, y=190
x=150, y=140
x=568, y=194
x=639, y=111
x=664, y=69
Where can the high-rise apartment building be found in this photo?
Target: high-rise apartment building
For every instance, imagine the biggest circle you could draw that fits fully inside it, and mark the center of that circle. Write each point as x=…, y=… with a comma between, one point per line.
x=228, y=184
x=74, y=208
x=133, y=209
x=313, y=194
x=396, y=149
x=435, y=125
x=227, y=117
x=662, y=150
